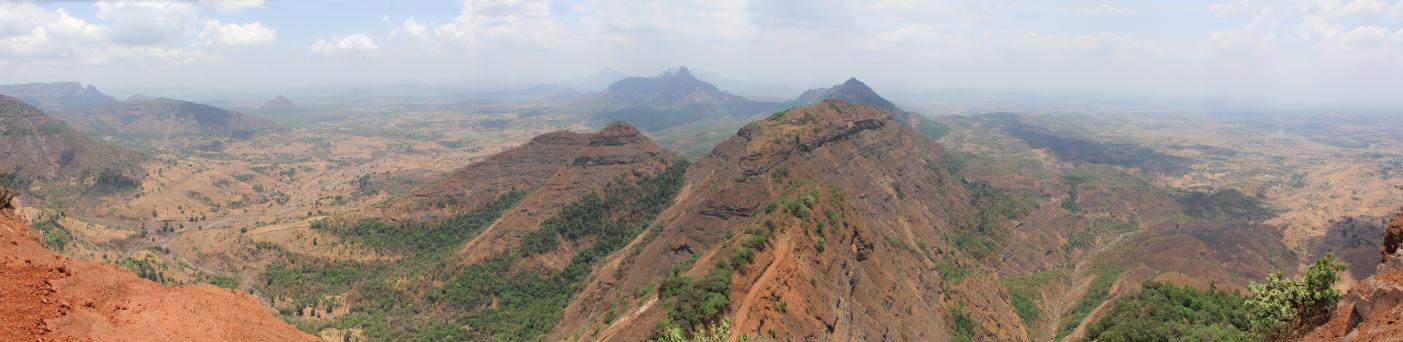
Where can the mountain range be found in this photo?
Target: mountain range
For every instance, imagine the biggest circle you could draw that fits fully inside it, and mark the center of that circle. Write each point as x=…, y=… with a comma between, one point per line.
x=37, y=146
x=57, y=96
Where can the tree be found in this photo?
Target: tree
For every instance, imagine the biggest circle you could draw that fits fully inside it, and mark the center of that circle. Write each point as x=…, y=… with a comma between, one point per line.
x=1281, y=308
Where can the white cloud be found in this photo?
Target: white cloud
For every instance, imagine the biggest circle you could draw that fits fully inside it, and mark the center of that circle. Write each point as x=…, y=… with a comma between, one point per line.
x=412, y=28
x=517, y=20
x=1346, y=8
x=237, y=34
x=669, y=19
x=1106, y=8
x=1234, y=8
x=354, y=43
x=1320, y=30
x=149, y=22
x=232, y=5
x=29, y=32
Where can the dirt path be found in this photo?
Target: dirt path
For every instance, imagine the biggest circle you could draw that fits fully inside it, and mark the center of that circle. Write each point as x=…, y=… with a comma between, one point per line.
x=781, y=247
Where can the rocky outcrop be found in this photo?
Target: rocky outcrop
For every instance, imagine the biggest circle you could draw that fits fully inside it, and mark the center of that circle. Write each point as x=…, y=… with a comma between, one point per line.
x=1372, y=310
x=48, y=297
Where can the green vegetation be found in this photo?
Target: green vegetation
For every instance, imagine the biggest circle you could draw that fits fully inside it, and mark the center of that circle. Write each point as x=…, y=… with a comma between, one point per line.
x=223, y=281
x=1097, y=293
x=982, y=232
x=952, y=273
x=493, y=300
x=932, y=129
x=53, y=235
x=718, y=332
x=1278, y=309
x=1283, y=308
x=1082, y=237
x=984, y=229
x=1027, y=309
x=1164, y=312
x=962, y=327
x=8, y=190
x=383, y=236
x=146, y=267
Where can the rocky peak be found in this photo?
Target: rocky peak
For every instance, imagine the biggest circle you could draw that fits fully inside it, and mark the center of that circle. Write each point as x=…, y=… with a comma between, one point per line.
x=853, y=91
x=683, y=73
x=617, y=133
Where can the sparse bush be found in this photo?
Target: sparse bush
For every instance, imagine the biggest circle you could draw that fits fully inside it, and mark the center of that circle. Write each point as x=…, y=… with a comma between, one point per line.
x=1282, y=308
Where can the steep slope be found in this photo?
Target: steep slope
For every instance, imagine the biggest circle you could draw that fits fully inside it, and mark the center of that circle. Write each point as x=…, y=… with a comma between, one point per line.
x=822, y=222
x=163, y=118
x=37, y=146
x=852, y=91
x=1372, y=310
x=671, y=99
x=612, y=153
x=48, y=297
x=503, y=260
x=278, y=104
x=57, y=96
x=561, y=159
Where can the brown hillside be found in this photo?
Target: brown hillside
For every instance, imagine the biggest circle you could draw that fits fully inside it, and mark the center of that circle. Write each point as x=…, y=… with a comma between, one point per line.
x=864, y=273
x=560, y=159
x=47, y=297
x=618, y=150
x=162, y=117
x=35, y=145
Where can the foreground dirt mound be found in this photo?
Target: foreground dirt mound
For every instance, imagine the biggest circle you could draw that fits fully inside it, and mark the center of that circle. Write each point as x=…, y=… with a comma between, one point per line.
x=1373, y=309
x=48, y=297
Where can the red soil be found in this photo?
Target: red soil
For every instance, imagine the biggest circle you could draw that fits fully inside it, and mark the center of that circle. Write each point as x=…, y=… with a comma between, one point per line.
x=48, y=297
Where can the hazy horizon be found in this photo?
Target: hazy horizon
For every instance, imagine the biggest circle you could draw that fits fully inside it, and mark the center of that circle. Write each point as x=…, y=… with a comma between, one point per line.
x=1317, y=52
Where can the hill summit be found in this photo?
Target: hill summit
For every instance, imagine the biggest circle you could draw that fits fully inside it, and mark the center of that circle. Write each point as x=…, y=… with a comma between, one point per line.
x=671, y=99
x=853, y=91
x=278, y=104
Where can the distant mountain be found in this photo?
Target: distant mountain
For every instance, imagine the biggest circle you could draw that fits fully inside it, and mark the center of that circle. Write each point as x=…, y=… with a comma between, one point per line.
x=853, y=91
x=33, y=145
x=57, y=96
x=277, y=105
x=670, y=99
x=163, y=117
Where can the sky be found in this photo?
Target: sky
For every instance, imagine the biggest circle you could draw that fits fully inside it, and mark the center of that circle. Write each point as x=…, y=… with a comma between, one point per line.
x=1283, y=51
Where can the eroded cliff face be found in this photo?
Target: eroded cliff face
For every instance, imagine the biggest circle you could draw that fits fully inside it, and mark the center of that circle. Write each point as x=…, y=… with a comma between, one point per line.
x=48, y=297
x=857, y=206
x=1372, y=310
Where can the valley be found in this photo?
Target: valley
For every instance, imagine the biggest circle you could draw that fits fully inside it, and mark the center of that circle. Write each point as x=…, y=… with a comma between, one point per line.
x=538, y=218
